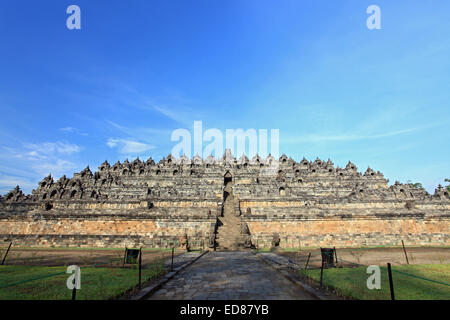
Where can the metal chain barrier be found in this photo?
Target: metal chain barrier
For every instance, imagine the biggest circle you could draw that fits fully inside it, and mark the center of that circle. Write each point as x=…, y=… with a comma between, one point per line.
x=32, y=279
x=396, y=271
x=56, y=274
x=421, y=278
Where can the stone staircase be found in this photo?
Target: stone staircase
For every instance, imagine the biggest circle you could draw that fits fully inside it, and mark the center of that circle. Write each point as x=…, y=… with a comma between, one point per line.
x=228, y=235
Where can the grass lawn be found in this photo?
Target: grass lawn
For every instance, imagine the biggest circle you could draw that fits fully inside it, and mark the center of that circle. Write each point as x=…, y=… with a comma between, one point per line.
x=96, y=283
x=3, y=250
x=351, y=282
x=306, y=248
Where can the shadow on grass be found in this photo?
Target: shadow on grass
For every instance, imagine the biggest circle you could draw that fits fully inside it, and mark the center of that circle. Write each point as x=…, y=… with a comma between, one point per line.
x=96, y=283
x=352, y=282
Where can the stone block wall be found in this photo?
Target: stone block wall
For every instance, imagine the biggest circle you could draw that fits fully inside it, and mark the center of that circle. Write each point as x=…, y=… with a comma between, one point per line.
x=105, y=231
x=350, y=232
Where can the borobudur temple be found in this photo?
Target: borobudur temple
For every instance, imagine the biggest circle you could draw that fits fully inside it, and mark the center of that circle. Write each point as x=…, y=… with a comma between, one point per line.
x=224, y=203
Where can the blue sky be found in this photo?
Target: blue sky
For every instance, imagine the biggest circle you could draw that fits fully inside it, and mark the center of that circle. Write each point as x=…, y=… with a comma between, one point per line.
x=137, y=70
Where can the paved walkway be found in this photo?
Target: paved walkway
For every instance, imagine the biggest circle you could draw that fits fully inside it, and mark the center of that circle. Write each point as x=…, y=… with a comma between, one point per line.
x=230, y=276
x=180, y=259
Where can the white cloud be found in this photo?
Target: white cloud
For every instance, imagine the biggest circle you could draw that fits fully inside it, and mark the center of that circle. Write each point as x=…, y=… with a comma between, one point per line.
x=179, y=115
x=30, y=162
x=346, y=137
x=56, y=167
x=7, y=183
x=42, y=150
x=73, y=130
x=67, y=148
x=355, y=135
x=112, y=142
x=67, y=129
x=140, y=133
x=129, y=146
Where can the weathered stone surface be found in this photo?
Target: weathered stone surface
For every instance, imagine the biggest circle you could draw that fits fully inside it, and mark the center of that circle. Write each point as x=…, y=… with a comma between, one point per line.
x=230, y=276
x=227, y=203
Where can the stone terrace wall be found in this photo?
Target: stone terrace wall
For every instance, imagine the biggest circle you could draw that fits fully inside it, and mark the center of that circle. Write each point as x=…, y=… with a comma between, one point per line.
x=105, y=232
x=350, y=232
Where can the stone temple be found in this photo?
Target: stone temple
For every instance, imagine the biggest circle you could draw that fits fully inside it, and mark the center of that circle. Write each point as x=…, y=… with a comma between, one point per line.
x=227, y=203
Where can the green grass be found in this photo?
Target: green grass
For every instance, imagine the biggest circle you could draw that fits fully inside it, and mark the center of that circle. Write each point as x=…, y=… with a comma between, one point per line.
x=291, y=249
x=96, y=283
x=294, y=249
x=303, y=249
x=351, y=282
x=78, y=249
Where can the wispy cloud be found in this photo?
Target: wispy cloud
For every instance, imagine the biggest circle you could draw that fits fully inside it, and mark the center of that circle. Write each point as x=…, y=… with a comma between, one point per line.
x=39, y=159
x=73, y=130
x=347, y=137
x=7, y=182
x=125, y=146
x=139, y=133
x=56, y=167
x=114, y=94
x=180, y=114
x=173, y=106
x=330, y=125
x=42, y=150
x=135, y=140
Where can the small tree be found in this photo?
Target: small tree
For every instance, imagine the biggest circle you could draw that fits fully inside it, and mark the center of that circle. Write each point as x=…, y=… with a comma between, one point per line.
x=447, y=187
x=417, y=185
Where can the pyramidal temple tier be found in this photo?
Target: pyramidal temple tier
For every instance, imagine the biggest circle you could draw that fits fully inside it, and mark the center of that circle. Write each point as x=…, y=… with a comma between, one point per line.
x=226, y=203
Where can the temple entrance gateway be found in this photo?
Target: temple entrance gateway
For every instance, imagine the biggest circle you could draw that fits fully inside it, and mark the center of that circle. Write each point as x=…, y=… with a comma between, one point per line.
x=228, y=198
x=227, y=191
x=228, y=178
